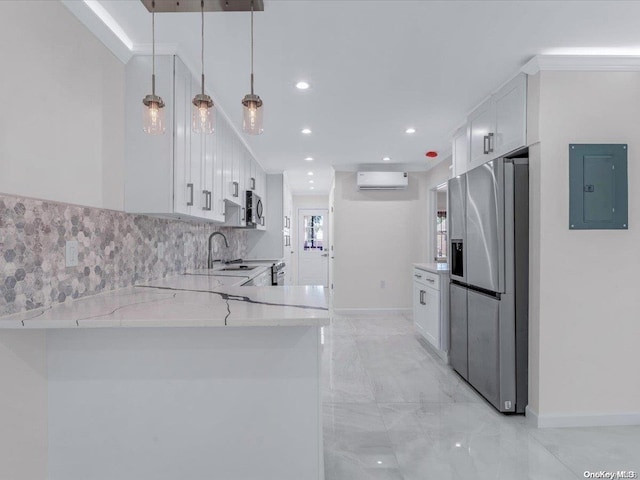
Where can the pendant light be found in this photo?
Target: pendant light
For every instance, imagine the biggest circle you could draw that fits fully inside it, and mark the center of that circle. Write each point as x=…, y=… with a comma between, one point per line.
x=153, y=105
x=202, y=116
x=252, y=111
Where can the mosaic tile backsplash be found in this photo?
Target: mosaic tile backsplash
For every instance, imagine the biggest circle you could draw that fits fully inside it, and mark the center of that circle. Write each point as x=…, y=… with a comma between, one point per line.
x=115, y=250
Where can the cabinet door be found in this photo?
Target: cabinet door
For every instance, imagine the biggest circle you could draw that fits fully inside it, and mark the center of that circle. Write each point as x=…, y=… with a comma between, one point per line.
x=211, y=180
x=219, y=174
x=186, y=188
x=458, y=330
x=460, y=152
x=226, y=139
x=196, y=160
x=261, y=183
x=482, y=134
x=252, y=174
x=511, y=116
x=237, y=162
x=418, y=306
x=431, y=316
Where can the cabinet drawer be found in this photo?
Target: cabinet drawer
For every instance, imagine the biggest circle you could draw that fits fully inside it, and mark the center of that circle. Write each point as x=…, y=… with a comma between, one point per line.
x=426, y=278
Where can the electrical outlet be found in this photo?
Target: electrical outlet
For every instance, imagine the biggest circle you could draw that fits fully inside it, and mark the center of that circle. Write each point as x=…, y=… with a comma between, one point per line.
x=160, y=250
x=71, y=253
x=383, y=284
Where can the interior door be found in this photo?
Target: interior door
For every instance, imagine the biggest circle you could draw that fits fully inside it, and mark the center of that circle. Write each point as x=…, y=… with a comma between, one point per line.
x=484, y=247
x=313, y=247
x=458, y=332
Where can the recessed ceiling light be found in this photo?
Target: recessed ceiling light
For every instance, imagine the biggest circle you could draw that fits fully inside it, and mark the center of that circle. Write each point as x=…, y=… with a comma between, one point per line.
x=379, y=462
x=410, y=130
x=306, y=131
x=310, y=173
x=309, y=159
x=386, y=159
x=311, y=188
x=310, y=181
x=302, y=85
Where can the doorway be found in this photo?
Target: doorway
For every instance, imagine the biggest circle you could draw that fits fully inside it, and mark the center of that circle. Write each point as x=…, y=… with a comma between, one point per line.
x=441, y=239
x=313, y=247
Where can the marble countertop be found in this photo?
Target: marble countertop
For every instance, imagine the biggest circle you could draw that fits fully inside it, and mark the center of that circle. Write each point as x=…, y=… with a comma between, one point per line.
x=440, y=268
x=194, y=299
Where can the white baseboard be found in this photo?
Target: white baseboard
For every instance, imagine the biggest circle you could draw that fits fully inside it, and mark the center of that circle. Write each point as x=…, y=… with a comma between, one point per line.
x=372, y=311
x=558, y=420
x=435, y=351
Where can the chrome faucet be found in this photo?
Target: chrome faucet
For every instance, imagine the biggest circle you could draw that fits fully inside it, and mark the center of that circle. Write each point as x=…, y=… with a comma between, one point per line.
x=226, y=244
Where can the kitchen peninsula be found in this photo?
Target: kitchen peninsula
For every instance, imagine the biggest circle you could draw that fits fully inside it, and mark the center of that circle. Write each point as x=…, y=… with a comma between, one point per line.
x=185, y=377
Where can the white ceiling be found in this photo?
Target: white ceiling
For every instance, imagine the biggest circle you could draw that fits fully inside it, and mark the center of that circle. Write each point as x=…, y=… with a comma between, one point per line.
x=375, y=68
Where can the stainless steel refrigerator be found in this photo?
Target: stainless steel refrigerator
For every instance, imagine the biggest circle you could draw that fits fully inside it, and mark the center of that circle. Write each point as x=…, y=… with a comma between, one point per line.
x=489, y=232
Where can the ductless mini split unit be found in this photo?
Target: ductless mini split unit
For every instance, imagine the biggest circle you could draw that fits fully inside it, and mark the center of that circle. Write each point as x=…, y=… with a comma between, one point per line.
x=382, y=180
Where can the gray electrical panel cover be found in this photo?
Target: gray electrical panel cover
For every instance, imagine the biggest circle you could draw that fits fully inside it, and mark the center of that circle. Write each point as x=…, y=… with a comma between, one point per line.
x=598, y=189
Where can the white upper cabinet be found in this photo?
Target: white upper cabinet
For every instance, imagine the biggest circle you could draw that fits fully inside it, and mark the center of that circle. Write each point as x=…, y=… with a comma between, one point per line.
x=273, y=240
x=511, y=116
x=163, y=173
x=497, y=127
x=460, y=152
x=182, y=173
x=481, y=127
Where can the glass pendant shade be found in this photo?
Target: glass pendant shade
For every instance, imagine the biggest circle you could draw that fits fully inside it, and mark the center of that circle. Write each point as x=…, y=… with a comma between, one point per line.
x=203, y=118
x=153, y=119
x=252, y=115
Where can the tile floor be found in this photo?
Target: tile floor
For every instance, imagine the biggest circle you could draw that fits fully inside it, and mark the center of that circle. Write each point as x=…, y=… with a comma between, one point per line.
x=393, y=410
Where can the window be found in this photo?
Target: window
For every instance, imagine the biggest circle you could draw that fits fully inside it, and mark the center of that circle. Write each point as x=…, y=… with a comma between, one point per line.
x=313, y=232
x=441, y=235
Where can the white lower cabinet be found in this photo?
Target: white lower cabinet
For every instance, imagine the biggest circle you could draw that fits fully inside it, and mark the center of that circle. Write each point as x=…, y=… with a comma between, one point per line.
x=426, y=305
x=429, y=308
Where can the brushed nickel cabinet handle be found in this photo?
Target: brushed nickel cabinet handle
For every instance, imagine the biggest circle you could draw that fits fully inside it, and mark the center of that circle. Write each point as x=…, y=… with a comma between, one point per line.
x=190, y=187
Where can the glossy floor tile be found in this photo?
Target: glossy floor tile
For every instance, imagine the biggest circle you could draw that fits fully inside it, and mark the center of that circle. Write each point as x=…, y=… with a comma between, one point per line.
x=394, y=410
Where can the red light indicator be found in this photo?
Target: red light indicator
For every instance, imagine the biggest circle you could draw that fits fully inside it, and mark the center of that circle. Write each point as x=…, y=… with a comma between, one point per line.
x=431, y=154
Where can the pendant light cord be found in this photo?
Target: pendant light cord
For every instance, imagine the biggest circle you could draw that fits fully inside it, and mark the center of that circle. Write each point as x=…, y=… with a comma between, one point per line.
x=202, y=49
x=153, y=48
x=251, y=47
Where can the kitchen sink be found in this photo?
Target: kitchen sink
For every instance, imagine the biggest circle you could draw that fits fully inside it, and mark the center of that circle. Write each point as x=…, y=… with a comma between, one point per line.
x=239, y=268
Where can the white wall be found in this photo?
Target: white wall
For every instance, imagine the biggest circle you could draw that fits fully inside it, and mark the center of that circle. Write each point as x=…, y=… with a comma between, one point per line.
x=303, y=201
x=378, y=236
x=62, y=97
x=23, y=405
x=584, y=312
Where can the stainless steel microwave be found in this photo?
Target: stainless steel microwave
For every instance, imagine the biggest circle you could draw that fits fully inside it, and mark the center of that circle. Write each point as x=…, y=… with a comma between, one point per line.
x=254, y=210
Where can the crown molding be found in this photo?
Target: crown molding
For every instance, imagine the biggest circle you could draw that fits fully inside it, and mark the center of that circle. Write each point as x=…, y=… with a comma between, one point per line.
x=592, y=63
x=121, y=47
